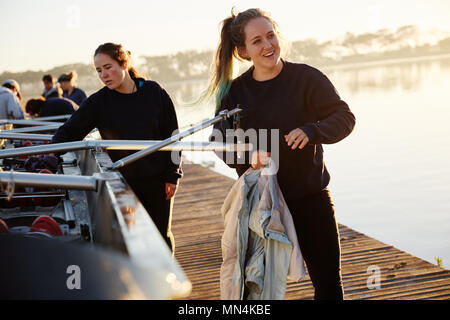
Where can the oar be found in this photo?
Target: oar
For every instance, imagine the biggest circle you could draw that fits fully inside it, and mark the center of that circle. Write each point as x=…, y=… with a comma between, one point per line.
x=26, y=122
x=35, y=129
x=223, y=115
x=60, y=181
x=123, y=145
x=52, y=118
x=25, y=136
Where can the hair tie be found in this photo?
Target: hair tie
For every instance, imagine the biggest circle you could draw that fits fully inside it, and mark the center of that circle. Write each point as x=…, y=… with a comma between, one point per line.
x=233, y=13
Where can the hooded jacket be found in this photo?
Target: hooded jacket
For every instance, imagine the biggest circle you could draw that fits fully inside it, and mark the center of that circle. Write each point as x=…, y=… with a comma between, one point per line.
x=9, y=106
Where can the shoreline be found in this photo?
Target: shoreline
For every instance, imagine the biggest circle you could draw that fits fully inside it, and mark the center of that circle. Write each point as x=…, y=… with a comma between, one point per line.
x=331, y=66
x=377, y=63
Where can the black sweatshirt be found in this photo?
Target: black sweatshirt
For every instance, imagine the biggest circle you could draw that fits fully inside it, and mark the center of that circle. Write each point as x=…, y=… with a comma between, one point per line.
x=147, y=114
x=300, y=96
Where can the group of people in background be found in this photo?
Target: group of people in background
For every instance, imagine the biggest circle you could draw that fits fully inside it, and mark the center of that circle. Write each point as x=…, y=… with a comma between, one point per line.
x=63, y=97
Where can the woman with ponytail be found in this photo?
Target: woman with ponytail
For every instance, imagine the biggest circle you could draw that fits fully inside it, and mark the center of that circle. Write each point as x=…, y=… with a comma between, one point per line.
x=129, y=107
x=303, y=106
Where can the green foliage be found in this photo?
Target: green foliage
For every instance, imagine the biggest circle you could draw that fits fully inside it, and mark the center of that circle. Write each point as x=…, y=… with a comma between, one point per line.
x=439, y=261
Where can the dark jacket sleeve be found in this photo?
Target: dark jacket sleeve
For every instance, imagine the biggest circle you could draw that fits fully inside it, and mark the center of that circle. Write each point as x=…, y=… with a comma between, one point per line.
x=169, y=124
x=78, y=125
x=335, y=121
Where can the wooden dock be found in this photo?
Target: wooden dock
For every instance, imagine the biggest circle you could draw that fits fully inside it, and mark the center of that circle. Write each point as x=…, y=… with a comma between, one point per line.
x=197, y=225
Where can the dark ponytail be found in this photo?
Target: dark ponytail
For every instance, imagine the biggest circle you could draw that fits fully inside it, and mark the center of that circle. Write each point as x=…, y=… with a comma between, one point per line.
x=70, y=77
x=223, y=71
x=133, y=73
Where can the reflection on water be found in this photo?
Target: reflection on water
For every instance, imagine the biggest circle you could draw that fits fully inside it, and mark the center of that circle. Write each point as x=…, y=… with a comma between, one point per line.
x=406, y=76
x=186, y=92
x=390, y=177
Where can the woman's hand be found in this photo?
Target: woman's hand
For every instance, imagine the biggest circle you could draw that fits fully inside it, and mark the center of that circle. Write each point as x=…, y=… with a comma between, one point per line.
x=296, y=138
x=260, y=159
x=171, y=189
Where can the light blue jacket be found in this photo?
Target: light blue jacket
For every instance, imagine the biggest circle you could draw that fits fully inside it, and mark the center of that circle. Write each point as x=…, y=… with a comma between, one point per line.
x=264, y=254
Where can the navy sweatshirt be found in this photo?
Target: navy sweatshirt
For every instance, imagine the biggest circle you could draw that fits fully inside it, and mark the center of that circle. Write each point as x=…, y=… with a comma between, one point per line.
x=78, y=96
x=147, y=114
x=300, y=96
x=57, y=106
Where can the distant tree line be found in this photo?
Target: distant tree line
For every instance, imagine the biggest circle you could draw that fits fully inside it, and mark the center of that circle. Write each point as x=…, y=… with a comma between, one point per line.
x=350, y=48
x=36, y=76
x=405, y=42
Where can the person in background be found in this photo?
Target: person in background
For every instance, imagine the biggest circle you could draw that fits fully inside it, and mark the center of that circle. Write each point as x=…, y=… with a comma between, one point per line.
x=10, y=100
x=70, y=90
x=41, y=107
x=50, y=90
x=129, y=107
x=300, y=103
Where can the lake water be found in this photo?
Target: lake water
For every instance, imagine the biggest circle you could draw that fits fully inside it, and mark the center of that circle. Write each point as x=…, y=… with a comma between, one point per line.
x=390, y=179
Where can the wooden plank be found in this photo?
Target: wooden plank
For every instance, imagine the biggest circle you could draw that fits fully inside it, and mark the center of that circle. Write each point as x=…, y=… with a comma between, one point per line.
x=198, y=226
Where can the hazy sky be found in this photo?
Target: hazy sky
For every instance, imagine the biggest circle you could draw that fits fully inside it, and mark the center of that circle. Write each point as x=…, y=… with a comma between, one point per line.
x=38, y=35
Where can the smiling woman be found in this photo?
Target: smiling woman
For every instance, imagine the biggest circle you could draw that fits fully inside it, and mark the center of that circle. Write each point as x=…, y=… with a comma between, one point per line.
x=299, y=102
x=260, y=29
x=262, y=47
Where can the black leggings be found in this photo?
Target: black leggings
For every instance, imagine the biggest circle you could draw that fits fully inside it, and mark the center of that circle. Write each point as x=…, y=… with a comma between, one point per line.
x=152, y=195
x=318, y=236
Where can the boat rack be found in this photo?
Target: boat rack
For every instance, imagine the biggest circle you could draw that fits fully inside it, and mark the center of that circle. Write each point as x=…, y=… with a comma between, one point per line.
x=89, y=199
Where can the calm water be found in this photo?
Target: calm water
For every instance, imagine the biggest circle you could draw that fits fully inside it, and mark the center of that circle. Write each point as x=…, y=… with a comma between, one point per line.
x=390, y=178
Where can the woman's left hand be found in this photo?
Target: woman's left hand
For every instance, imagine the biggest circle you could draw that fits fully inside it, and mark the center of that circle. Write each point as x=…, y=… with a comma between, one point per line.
x=171, y=189
x=296, y=138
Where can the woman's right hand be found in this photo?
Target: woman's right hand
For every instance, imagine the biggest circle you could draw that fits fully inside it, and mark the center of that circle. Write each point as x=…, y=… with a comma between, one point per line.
x=260, y=159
